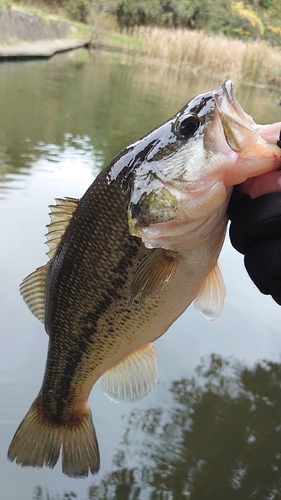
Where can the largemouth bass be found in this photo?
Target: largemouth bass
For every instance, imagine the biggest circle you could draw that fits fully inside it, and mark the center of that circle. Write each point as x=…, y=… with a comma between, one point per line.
x=126, y=260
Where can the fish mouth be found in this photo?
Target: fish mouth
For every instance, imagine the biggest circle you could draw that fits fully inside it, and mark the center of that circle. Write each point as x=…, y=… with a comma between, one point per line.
x=236, y=124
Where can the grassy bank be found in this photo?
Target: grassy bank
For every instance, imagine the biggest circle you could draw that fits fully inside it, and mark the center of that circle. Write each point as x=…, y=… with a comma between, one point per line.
x=253, y=62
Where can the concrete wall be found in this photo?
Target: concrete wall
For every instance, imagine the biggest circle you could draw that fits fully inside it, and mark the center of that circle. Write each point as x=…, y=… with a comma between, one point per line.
x=18, y=25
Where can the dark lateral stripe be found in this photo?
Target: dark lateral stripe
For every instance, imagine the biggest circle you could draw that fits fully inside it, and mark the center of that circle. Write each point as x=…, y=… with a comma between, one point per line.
x=88, y=335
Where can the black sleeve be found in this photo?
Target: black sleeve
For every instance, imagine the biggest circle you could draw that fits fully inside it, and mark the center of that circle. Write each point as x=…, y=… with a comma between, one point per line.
x=255, y=231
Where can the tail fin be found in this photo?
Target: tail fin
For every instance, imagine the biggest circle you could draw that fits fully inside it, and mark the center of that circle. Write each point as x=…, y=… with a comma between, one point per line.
x=37, y=442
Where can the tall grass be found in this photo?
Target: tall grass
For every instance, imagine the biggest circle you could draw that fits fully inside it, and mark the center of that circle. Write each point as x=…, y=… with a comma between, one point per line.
x=253, y=62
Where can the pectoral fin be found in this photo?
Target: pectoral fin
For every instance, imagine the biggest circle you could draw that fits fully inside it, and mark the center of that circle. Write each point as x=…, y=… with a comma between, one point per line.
x=33, y=291
x=152, y=274
x=210, y=300
x=133, y=378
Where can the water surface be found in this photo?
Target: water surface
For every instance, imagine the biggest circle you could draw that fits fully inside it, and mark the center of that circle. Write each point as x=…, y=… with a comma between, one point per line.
x=211, y=429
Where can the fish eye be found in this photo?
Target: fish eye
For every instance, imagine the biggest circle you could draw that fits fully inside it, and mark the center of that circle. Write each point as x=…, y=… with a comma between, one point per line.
x=187, y=127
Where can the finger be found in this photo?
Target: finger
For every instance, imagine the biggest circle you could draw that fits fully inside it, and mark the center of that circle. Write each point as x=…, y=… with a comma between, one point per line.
x=263, y=184
x=269, y=132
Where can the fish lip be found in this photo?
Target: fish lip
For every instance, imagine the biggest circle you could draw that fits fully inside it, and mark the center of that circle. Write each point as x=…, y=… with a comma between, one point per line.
x=237, y=126
x=225, y=90
x=226, y=100
x=228, y=87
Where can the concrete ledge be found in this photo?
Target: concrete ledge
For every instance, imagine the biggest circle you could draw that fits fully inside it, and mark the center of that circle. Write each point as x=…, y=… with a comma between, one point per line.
x=46, y=48
x=21, y=25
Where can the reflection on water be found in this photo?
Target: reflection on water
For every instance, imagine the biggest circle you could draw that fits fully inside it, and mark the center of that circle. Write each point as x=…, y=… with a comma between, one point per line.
x=75, y=153
x=215, y=436
x=219, y=438
x=39, y=494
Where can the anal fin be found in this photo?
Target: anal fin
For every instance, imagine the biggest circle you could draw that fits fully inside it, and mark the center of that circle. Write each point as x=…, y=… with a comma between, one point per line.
x=133, y=378
x=210, y=300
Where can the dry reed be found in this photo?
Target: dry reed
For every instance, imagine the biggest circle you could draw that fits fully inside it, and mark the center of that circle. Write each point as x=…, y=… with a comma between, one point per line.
x=253, y=62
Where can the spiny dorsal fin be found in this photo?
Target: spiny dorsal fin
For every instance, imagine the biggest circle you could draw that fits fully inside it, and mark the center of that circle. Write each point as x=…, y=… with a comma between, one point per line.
x=60, y=216
x=210, y=300
x=152, y=274
x=133, y=378
x=33, y=291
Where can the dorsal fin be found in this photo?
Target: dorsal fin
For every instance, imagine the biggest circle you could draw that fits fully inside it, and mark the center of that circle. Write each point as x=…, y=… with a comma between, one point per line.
x=34, y=285
x=32, y=290
x=210, y=300
x=133, y=378
x=60, y=216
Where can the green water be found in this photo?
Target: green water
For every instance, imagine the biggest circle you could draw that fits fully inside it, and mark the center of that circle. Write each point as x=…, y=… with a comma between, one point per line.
x=211, y=430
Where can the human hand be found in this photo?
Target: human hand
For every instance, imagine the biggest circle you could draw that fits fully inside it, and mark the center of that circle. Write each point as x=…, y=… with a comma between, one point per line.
x=255, y=229
x=270, y=182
